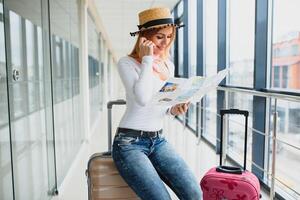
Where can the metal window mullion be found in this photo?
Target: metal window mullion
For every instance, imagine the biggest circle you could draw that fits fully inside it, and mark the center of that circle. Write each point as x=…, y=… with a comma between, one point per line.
x=260, y=81
x=186, y=46
x=222, y=60
x=200, y=64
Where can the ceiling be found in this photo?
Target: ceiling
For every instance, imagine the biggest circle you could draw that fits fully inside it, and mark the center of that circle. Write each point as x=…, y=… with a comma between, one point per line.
x=119, y=17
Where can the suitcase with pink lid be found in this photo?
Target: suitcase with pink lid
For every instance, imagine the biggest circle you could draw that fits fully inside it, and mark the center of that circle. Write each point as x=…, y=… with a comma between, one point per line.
x=228, y=182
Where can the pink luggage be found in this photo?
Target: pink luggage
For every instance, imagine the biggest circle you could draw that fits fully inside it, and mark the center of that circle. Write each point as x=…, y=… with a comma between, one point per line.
x=231, y=183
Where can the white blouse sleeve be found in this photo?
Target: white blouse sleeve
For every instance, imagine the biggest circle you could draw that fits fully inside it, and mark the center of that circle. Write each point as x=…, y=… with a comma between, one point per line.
x=137, y=85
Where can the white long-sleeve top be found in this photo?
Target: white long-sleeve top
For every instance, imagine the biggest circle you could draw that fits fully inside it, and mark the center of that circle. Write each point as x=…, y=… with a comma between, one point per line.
x=141, y=84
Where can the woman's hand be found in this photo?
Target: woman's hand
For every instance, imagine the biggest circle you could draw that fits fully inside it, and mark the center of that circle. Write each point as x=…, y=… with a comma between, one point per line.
x=180, y=109
x=146, y=47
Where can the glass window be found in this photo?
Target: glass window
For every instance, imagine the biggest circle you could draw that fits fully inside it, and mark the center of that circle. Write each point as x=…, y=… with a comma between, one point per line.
x=39, y=63
x=210, y=67
x=285, y=76
x=241, y=42
x=180, y=51
x=67, y=69
x=192, y=15
x=30, y=50
x=33, y=95
x=30, y=148
x=276, y=76
x=19, y=90
x=172, y=49
x=109, y=73
x=236, y=130
x=286, y=45
x=65, y=42
x=180, y=8
x=101, y=71
x=57, y=69
x=15, y=31
x=287, y=154
x=193, y=37
x=6, y=191
x=192, y=117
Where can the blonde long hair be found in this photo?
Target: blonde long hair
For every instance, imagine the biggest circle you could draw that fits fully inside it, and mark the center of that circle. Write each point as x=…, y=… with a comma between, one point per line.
x=148, y=34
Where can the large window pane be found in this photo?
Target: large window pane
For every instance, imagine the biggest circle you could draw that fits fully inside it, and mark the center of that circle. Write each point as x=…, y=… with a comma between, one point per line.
x=193, y=36
x=28, y=124
x=94, y=78
x=192, y=117
x=109, y=74
x=19, y=91
x=180, y=9
x=210, y=67
x=40, y=75
x=236, y=130
x=32, y=68
x=6, y=191
x=285, y=70
x=64, y=21
x=180, y=51
x=287, y=154
x=241, y=42
x=192, y=15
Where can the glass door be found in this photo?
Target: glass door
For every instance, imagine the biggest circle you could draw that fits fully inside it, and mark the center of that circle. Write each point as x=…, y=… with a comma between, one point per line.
x=29, y=90
x=6, y=186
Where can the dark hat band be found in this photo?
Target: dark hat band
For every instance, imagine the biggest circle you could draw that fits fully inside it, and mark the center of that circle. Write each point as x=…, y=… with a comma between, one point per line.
x=156, y=22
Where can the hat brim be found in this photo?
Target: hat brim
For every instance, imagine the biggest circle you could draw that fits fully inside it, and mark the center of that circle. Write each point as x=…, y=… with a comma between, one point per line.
x=155, y=27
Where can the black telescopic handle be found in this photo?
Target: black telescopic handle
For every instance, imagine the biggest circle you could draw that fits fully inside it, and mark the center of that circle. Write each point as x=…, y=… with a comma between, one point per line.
x=109, y=118
x=116, y=102
x=237, y=112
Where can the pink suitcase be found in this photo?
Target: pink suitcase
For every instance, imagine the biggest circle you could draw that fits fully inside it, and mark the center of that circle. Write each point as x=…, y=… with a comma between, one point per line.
x=230, y=183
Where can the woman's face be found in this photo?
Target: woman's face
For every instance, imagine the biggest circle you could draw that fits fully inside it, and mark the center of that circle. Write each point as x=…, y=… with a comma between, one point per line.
x=161, y=40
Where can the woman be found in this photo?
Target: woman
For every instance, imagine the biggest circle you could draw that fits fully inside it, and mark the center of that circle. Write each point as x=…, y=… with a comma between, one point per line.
x=141, y=153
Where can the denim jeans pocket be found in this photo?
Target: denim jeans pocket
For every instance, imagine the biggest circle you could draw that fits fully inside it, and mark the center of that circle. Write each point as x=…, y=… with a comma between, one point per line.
x=122, y=140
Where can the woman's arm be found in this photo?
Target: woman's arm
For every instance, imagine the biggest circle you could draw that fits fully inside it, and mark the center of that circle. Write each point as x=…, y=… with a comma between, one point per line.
x=139, y=86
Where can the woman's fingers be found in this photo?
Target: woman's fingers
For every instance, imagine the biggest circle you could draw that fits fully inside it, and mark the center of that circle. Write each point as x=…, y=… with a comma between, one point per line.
x=185, y=107
x=180, y=109
x=146, y=47
x=142, y=40
x=149, y=43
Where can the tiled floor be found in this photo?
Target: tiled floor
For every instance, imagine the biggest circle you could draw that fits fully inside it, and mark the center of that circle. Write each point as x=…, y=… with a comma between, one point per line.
x=199, y=156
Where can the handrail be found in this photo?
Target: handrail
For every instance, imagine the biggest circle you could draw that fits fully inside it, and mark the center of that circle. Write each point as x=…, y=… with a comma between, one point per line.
x=266, y=93
x=268, y=173
x=292, y=96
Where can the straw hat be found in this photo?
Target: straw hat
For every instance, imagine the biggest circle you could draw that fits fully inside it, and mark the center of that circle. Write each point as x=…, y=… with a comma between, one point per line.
x=155, y=18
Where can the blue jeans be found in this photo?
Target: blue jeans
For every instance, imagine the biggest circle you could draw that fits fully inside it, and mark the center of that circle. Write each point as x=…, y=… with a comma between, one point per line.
x=145, y=163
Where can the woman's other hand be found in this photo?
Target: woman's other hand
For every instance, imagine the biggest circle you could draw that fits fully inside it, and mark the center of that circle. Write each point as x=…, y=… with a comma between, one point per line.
x=180, y=109
x=146, y=47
